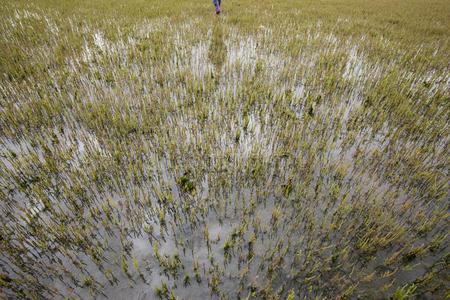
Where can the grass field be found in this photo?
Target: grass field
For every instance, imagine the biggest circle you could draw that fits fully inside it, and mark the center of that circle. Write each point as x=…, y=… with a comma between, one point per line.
x=283, y=150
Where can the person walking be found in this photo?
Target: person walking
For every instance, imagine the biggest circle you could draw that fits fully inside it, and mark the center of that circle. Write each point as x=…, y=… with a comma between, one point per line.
x=217, y=5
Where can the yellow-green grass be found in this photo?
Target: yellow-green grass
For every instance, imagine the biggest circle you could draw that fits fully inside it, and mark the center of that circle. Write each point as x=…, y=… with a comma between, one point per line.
x=285, y=149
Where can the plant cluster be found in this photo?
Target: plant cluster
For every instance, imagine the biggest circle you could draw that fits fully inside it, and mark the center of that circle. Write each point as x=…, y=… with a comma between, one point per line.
x=189, y=158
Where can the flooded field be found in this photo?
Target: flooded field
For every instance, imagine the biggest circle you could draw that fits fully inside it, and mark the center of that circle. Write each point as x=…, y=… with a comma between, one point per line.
x=284, y=150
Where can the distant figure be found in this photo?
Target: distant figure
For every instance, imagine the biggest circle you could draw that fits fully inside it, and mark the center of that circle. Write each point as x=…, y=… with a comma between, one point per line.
x=217, y=5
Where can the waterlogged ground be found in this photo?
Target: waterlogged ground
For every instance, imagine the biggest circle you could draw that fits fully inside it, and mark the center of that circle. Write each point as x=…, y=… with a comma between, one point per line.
x=300, y=154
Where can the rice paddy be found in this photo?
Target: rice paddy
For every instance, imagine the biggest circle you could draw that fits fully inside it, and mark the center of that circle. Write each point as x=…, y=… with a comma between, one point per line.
x=283, y=150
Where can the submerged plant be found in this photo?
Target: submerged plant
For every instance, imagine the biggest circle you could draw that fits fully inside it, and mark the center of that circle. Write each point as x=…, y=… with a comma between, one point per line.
x=277, y=152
